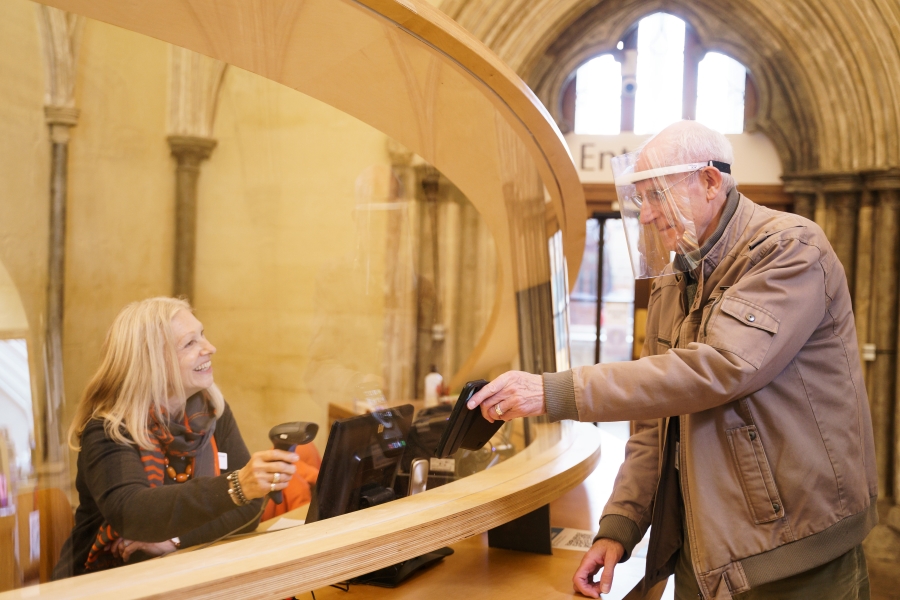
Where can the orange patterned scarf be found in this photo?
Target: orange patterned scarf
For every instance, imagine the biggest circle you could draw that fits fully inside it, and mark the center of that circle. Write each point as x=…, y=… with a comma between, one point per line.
x=190, y=437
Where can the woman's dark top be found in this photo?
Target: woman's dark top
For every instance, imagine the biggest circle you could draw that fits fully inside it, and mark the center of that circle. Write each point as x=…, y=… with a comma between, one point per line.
x=112, y=484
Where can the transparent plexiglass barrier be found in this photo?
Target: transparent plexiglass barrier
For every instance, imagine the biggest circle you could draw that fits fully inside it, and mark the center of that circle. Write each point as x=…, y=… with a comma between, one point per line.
x=390, y=288
x=340, y=277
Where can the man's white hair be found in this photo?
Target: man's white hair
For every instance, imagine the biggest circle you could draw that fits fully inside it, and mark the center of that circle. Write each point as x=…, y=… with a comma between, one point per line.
x=686, y=142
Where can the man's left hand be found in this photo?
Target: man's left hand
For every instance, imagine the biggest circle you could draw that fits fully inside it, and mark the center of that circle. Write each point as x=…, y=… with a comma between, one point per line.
x=514, y=394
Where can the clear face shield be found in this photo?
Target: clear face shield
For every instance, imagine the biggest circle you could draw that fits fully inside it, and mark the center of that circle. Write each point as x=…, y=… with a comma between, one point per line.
x=656, y=213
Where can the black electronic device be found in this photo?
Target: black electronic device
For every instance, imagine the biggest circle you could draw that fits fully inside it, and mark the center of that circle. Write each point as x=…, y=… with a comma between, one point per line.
x=426, y=432
x=467, y=428
x=288, y=436
x=360, y=462
x=394, y=575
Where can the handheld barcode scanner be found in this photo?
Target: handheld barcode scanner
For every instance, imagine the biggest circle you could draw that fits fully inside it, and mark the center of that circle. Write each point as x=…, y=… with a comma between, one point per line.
x=286, y=437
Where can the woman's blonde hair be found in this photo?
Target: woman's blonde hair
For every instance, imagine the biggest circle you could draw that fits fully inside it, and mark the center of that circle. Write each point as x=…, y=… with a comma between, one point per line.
x=138, y=374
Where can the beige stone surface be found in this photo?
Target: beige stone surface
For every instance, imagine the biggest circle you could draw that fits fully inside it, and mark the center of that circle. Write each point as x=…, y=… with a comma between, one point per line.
x=12, y=313
x=278, y=215
x=24, y=160
x=278, y=251
x=120, y=223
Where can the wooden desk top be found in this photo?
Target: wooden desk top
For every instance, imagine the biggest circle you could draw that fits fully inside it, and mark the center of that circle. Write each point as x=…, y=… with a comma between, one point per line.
x=477, y=572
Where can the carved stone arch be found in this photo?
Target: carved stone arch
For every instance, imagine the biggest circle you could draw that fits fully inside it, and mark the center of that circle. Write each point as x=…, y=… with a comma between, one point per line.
x=598, y=30
x=826, y=69
x=194, y=84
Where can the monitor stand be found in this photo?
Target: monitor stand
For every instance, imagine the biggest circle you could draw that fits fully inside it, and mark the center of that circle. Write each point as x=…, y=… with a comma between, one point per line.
x=394, y=575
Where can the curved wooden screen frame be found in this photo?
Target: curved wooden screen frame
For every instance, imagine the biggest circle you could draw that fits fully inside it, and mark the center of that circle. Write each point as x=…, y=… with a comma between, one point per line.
x=368, y=59
x=514, y=125
x=288, y=562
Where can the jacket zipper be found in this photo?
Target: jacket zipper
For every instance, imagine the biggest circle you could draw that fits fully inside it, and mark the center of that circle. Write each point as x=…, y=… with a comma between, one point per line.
x=685, y=499
x=711, y=309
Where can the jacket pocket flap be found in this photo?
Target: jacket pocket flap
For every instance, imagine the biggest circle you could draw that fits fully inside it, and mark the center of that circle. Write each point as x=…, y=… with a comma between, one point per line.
x=756, y=476
x=750, y=314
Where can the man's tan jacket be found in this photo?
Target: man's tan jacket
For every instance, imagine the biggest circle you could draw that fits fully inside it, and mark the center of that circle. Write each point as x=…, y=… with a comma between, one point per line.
x=777, y=460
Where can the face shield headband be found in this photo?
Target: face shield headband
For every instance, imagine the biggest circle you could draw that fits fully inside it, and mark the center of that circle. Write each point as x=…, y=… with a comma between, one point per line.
x=656, y=212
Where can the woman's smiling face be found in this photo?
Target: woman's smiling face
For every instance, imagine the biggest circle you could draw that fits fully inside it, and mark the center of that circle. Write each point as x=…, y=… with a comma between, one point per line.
x=194, y=353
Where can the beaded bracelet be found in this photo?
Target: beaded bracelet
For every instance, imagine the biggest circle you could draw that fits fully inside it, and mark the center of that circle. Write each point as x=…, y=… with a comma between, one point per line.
x=235, y=491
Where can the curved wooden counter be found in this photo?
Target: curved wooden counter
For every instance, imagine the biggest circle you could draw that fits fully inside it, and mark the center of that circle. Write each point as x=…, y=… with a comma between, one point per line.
x=291, y=561
x=406, y=69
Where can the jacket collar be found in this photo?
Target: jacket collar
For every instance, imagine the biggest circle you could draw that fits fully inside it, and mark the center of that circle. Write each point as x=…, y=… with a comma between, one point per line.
x=730, y=234
x=736, y=216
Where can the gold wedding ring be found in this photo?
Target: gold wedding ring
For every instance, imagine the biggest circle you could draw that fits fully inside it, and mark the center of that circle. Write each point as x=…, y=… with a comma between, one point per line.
x=275, y=479
x=497, y=408
x=272, y=488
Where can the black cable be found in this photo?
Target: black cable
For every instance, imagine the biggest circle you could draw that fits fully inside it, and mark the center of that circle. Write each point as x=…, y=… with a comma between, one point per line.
x=238, y=528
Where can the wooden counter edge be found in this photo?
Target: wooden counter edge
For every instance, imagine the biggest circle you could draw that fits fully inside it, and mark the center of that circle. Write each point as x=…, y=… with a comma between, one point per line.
x=292, y=561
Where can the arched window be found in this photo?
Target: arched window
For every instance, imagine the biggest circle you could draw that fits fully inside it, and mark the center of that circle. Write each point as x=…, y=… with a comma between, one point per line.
x=721, y=83
x=598, y=99
x=659, y=74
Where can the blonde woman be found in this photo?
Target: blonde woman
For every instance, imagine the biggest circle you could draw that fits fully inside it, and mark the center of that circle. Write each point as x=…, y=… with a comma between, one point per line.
x=161, y=463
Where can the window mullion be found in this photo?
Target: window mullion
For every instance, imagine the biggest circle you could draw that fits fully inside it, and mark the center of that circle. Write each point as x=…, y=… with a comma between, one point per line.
x=693, y=54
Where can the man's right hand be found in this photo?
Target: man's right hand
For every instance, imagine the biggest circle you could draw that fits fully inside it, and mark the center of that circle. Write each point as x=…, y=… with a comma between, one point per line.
x=605, y=554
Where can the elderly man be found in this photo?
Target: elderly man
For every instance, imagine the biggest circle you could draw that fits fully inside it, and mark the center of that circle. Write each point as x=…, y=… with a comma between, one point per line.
x=753, y=456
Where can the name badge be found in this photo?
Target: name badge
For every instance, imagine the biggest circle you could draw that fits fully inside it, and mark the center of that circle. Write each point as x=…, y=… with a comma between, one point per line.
x=223, y=461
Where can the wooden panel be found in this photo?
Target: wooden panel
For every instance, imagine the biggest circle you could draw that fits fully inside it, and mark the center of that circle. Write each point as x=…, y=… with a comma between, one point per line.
x=772, y=196
x=600, y=197
x=292, y=561
x=56, y=526
x=10, y=577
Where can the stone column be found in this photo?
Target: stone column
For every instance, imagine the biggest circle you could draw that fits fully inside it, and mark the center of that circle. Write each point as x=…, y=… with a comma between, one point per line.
x=60, y=119
x=803, y=188
x=523, y=196
x=189, y=152
x=399, y=364
x=60, y=34
x=883, y=543
x=863, y=285
x=431, y=189
x=194, y=84
x=450, y=234
x=888, y=184
x=476, y=275
x=841, y=192
x=883, y=371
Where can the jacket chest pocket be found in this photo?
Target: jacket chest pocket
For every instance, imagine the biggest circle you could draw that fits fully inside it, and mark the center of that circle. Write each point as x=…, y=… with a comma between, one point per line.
x=741, y=327
x=756, y=477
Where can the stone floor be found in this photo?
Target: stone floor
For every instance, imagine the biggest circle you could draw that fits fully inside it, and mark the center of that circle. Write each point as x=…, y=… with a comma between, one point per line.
x=884, y=575
x=884, y=579
x=882, y=548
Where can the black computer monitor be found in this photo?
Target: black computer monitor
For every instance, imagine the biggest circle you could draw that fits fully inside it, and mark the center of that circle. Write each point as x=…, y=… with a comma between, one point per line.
x=360, y=461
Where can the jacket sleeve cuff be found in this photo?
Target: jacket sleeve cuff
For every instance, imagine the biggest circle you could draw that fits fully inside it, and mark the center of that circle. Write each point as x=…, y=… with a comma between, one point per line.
x=559, y=396
x=621, y=529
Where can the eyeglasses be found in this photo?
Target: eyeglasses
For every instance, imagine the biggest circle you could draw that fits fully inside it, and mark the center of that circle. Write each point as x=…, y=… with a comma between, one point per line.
x=657, y=197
